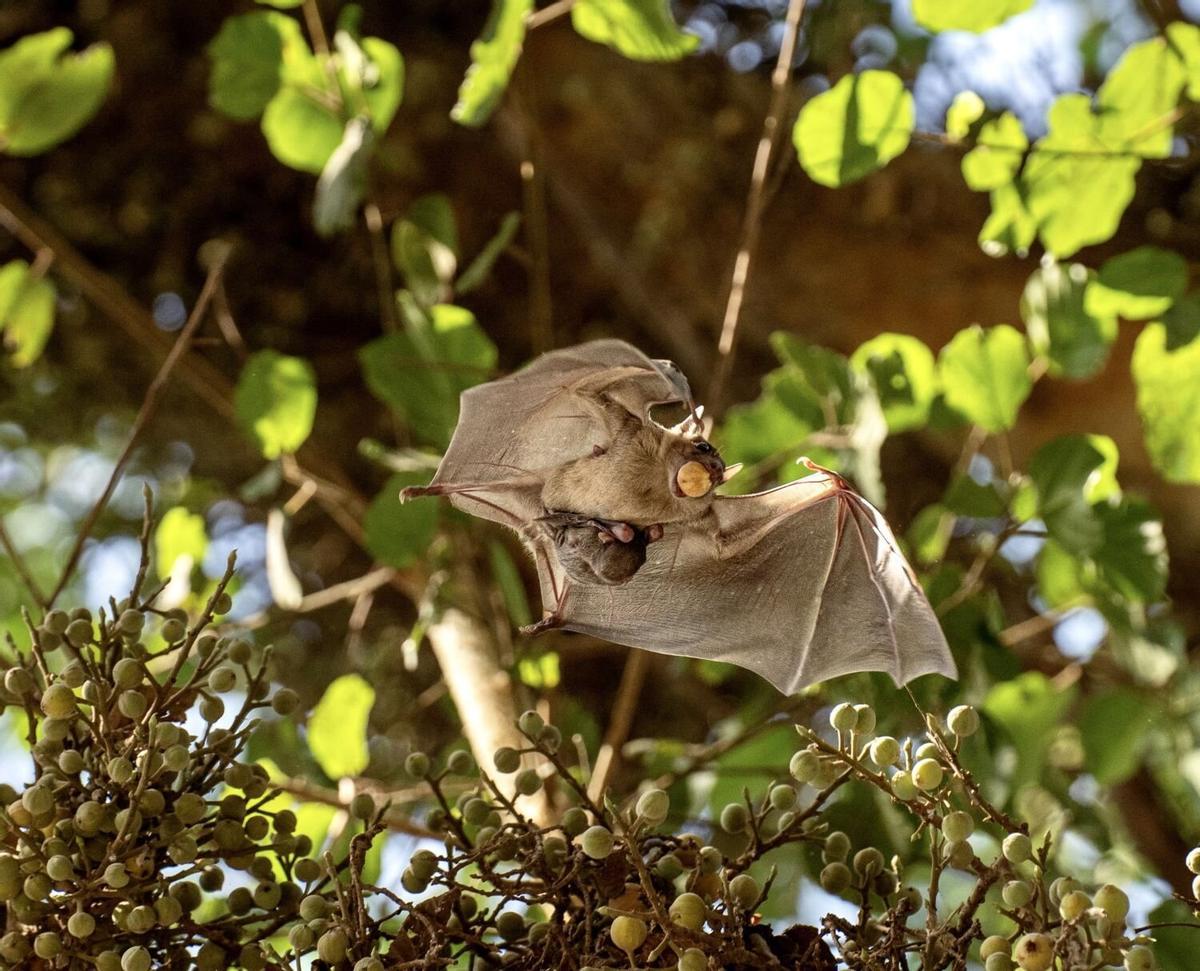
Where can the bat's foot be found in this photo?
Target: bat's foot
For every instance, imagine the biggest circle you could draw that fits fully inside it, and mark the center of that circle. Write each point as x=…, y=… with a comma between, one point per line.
x=550, y=622
x=415, y=492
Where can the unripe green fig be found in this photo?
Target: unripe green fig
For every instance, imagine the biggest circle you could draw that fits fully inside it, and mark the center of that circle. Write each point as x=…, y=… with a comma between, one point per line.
x=413, y=882
x=135, y=959
x=331, y=947
x=81, y=924
x=362, y=806
x=998, y=962
x=1114, y=902
x=527, y=782
x=782, y=797
x=837, y=847
x=958, y=825
x=79, y=632
x=424, y=863
x=903, y=787
x=574, y=821
x=692, y=959
x=530, y=723
x=417, y=765
x=460, y=762
x=995, y=944
x=58, y=701
x=884, y=751
x=688, y=910
x=628, y=933
x=1074, y=905
x=963, y=720
x=735, y=818
x=843, y=717
x=1139, y=958
x=1193, y=860
x=959, y=854
x=1016, y=893
x=507, y=759
x=47, y=945
x=835, y=877
x=804, y=765
x=668, y=867
x=1035, y=952
x=868, y=862
x=1061, y=887
x=653, y=806
x=596, y=842
x=744, y=890
x=927, y=774
x=1017, y=848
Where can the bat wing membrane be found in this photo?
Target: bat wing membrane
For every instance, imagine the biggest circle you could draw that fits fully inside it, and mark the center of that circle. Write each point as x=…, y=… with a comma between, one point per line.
x=801, y=583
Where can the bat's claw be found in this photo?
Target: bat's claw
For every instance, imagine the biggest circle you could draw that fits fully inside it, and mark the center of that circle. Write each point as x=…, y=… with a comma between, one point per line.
x=550, y=622
x=415, y=492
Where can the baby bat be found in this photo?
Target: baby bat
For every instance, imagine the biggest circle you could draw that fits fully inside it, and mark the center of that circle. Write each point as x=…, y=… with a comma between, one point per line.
x=595, y=551
x=800, y=583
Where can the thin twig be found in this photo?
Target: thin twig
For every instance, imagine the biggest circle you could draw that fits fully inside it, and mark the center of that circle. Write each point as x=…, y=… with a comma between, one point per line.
x=149, y=404
x=307, y=791
x=621, y=721
x=539, y=18
x=347, y=590
x=19, y=565
x=383, y=266
x=533, y=185
x=752, y=222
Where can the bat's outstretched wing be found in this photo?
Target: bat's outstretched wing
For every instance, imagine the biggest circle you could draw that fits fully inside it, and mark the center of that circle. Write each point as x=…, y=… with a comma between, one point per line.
x=514, y=430
x=799, y=584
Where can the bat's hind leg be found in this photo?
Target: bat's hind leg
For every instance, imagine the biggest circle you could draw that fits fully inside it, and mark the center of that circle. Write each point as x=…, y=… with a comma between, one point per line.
x=553, y=620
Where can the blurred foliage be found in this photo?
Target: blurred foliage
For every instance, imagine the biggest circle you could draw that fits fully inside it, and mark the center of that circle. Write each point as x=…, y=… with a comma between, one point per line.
x=1050, y=574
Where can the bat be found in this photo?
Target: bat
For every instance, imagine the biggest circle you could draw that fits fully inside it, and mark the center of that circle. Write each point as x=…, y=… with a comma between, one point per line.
x=800, y=583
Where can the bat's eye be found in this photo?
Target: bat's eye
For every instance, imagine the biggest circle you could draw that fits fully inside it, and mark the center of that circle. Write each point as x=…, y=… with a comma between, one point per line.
x=704, y=448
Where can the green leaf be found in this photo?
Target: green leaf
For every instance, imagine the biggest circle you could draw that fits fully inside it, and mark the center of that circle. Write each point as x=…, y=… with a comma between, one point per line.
x=276, y=400
x=905, y=377
x=1114, y=726
x=425, y=248
x=857, y=126
x=281, y=4
x=1010, y=227
x=997, y=154
x=493, y=58
x=973, y=15
x=301, y=133
x=966, y=109
x=1074, y=341
x=1182, y=321
x=1185, y=39
x=385, y=88
x=966, y=497
x=1061, y=577
x=1138, y=285
x=760, y=430
x=929, y=534
x=343, y=181
x=337, y=727
x=248, y=61
x=47, y=95
x=399, y=534
x=421, y=373
x=481, y=266
x=1062, y=470
x=1136, y=102
x=26, y=312
x=985, y=375
x=1029, y=708
x=1168, y=400
x=1133, y=554
x=642, y=30
x=179, y=533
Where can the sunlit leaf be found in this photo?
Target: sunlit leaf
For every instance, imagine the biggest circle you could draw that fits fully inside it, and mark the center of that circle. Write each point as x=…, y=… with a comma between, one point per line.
x=1136, y=102
x=1139, y=284
x=47, y=94
x=1185, y=39
x=1074, y=341
x=420, y=374
x=399, y=534
x=997, y=154
x=281, y=578
x=180, y=533
x=973, y=15
x=276, y=400
x=985, y=375
x=1061, y=577
x=1114, y=726
x=642, y=30
x=386, y=89
x=905, y=376
x=337, y=727
x=929, y=534
x=281, y=4
x=26, y=312
x=966, y=109
x=425, y=248
x=1028, y=708
x=966, y=497
x=301, y=132
x=493, y=58
x=1168, y=400
x=758, y=430
x=1010, y=228
x=854, y=128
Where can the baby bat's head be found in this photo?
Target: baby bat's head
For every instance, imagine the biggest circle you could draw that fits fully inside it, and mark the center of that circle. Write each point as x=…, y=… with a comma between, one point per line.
x=594, y=551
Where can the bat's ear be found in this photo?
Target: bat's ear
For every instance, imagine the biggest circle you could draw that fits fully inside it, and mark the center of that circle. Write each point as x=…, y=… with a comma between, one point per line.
x=695, y=425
